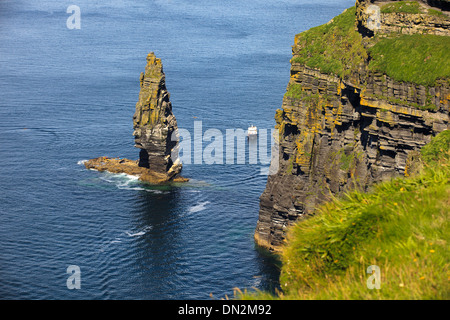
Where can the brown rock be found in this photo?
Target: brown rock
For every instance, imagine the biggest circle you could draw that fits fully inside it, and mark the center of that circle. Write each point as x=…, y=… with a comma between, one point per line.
x=131, y=167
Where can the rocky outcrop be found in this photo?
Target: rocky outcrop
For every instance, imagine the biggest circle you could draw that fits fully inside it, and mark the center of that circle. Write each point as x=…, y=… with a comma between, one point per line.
x=414, y=23
x=155, y=126
x=373, y=20
x=131, y=167
x=155, y=132
x=337, y=134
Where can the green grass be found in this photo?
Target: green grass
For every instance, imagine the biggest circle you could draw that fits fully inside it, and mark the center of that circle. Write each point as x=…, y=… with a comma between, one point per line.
x=412, y=58
x=401, y=7
x=295, y=91
x=427, y=106
x=437, y=13
x=347, y=160
x=335, y=47
x=436, y=150
x=401, y=226
x=290, y=166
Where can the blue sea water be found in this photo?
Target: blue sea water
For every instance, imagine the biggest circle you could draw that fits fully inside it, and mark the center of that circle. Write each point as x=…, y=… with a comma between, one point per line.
x=67, y=95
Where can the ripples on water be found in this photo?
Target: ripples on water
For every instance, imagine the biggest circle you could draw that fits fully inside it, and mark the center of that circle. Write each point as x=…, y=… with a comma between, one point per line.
x=69, y=95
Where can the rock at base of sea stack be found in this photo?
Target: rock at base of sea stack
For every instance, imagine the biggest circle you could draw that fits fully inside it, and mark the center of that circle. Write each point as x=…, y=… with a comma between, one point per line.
x=131, y=167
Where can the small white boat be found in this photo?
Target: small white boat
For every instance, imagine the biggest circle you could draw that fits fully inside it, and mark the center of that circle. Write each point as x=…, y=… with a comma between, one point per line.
x=252, y=131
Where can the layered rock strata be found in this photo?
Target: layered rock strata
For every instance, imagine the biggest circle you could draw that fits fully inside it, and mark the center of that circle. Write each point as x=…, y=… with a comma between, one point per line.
x=339, y=133
x=372, y=20
x=155, y=126
x=155, y=129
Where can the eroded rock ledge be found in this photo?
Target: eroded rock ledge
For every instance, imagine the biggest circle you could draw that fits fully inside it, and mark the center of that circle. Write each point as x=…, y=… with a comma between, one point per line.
x=131, y=167
x=155, y=129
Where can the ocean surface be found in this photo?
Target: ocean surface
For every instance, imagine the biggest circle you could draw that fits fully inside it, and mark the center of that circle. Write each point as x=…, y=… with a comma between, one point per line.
x=67, y=95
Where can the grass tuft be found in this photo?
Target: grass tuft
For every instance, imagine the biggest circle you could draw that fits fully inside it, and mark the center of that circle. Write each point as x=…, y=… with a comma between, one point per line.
x=402, y=7
x=436, y=150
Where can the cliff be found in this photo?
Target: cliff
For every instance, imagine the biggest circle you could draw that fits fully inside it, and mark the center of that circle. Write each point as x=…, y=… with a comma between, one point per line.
x=357, y=108
x=392, y=239
x=155, y=132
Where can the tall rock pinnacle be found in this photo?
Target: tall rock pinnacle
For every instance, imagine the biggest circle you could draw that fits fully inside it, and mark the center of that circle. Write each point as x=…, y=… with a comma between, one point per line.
x=154, y=122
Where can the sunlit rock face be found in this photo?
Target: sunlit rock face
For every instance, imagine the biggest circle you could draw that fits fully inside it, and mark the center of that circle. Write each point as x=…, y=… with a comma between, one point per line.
x=155, y=125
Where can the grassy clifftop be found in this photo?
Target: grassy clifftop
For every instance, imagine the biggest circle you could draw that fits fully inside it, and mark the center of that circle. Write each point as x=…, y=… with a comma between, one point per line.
x=414, y=58
x=401, y=226
x=337, y=48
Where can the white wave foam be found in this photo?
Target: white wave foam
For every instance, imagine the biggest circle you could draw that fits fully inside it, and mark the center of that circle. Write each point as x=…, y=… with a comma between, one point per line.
x=122, y=180
x=198, y=207
x=155, y=191
x=139, y=233
x=127, y=182
x=106, y=179
x=133, y=188
x=81, y=162
x=107, y=245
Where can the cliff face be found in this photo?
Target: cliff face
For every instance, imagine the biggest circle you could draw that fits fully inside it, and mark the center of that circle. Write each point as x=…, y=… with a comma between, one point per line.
x=155, y=125
x=342, y=130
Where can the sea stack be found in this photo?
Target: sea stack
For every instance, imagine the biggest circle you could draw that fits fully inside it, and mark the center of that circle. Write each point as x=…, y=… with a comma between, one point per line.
x=155, y=132
x=155, y=125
